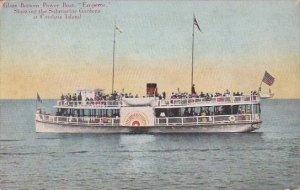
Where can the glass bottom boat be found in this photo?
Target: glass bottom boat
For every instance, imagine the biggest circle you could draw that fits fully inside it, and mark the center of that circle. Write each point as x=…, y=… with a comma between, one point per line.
x=153, y=115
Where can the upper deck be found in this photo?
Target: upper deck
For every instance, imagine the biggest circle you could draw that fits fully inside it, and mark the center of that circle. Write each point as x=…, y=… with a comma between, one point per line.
x=159, y=103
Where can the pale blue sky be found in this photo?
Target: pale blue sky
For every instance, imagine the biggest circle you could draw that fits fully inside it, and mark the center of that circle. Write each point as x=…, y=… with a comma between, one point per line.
x=240, y=40
x=158, y=30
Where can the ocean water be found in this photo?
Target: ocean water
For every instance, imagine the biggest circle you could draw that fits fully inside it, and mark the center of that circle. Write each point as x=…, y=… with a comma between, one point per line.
x=268, y=158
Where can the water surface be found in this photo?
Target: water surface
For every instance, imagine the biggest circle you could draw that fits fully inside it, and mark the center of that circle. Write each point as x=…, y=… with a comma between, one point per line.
x=266, y=159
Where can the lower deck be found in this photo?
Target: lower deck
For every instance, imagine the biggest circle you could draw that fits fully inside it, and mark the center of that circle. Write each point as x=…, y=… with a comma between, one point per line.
x=158, y=121
x=214, y=118
x=44, y=127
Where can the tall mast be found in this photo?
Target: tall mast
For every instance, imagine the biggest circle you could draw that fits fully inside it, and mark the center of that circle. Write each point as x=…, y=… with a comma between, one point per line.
x=192, y=80
x=259, y=89
x=113, y=72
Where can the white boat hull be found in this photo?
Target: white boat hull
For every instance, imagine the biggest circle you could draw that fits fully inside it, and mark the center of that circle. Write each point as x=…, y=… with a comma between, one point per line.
x=266, y=96
x=43, y=127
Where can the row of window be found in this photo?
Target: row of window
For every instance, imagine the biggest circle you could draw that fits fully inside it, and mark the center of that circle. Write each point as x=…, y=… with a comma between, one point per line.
x=207, y=110
x=88, y=112
x=167, y=112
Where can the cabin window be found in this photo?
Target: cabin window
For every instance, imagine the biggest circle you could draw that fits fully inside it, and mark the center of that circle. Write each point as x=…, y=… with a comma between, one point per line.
x=161, y=113
x=174, y=112
x=115, y=113
x=256, y=108
x=186, y=112
x=248, y=109
x=234, y=109
x=227, y=110
x=219, y=110
x=109, y=113
x=207, y=110
x=196, y=111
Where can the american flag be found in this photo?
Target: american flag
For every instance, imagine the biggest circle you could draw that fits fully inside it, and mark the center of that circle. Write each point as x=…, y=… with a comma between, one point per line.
x=268, y=79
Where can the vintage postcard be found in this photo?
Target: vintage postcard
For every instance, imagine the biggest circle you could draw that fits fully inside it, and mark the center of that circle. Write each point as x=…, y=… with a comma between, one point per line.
x=126, y=94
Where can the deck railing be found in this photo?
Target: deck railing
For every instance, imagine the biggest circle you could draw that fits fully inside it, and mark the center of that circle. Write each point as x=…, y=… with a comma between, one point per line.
x=203, y=120
x=86, y=121
x=162, y=121
x=208, y=100
x=100, y=103
x=163, y=102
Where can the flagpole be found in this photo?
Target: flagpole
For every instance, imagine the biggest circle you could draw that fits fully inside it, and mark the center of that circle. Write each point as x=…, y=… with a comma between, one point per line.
x=113, y=73
x=260, y=86
x=36, y=101
x=261, y=83
x=192, y=80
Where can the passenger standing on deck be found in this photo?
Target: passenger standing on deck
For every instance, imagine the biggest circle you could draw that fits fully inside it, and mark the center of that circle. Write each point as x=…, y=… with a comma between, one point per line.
x=193, y=90
x=186, y=112
x=74, y=98
x=79, y=97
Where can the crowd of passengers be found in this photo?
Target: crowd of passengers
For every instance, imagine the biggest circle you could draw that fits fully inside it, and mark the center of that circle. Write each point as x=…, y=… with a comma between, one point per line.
x=227, y=93
x=179, y=95
x=223, y=110
x=98, y=96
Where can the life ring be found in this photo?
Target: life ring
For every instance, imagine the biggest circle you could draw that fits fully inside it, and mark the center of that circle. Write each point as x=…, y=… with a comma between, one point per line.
x=231, y=118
